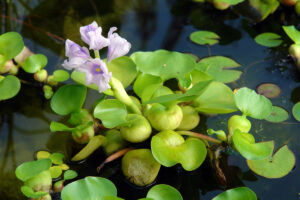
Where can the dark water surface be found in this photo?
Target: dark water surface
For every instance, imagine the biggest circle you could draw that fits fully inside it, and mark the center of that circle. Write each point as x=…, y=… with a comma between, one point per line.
x=149, y=25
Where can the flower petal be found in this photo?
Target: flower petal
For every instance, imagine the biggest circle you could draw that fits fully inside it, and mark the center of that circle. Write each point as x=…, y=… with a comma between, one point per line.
x=118, y=46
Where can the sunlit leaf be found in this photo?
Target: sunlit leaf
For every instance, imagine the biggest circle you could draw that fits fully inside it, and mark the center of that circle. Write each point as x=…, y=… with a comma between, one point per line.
x=293, y=33
x=296, y=111
x=277, y=115
x=30, y=169
x=42, y=154
x=11, y=44
x=279, y=165
x=9, y=87
x=164, y=192
x=239, y=193
x=60, y=75
x=30, y=193
x=57, y=158
x=35, y=63
x=55, y=171
x=204, y=37
x=70, y=174
x=268, y=39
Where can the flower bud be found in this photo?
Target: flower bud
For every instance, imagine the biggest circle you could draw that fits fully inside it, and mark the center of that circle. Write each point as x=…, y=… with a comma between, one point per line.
x=25, y=53
x=238, y=122
x=84, y=136
x=58, y=186
x=164, y=118
x=140, y=167
x=190, y=118
x=41, y=75
x=137, y=128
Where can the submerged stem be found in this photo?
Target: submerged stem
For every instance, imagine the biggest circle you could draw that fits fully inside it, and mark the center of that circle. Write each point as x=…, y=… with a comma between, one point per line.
x=113, y=157
x=199, y=135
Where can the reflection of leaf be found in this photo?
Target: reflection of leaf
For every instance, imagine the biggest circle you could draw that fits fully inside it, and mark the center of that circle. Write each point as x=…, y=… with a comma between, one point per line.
x=219, y=68
x=205, y=37
x=268, y=39
x=281, y=163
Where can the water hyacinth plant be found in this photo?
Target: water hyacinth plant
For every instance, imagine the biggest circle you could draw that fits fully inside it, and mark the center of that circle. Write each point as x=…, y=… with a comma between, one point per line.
x=154, y=127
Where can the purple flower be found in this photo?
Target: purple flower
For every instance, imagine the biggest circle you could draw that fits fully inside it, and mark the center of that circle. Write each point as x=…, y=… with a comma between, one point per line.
x=118, y=46
x=92, y=35
x=76, y=55
x=96, y=72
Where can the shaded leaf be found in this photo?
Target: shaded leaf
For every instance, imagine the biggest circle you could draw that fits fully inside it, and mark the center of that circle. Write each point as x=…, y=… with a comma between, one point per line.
x=293, y=33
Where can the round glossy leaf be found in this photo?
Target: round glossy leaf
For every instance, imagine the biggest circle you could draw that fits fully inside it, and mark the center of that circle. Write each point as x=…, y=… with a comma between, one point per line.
x=170, y=148
x=296, y=111
x=30, y=169
x=123, y=69
x=220, y=68
x=60, y=75
x=277, y=115
x=57, y=158
x=35, y=63
x=269, y=90
x=240, y=193
x=43, y=154
x=293, y=33
x=282, y=162
x=268, y=39
x=111, y=112
x=70, y=174
x=217, y=98
x=244, y=143
x=68, y=98
x=55, y=171
x=163, y=63
x=30, y=193
x=205, y=37
x=11, y=44
x=164, y=192
x=9, y=87
x=89, y=188
x=252, y=104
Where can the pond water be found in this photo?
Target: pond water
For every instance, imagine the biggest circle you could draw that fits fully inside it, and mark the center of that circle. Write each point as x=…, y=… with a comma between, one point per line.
x=149, y=25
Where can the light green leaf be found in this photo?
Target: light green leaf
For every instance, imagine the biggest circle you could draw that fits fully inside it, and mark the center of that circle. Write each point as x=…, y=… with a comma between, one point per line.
x=164, y=192
x=245, y=144
x=60, y=75
x=55, y=171
x=233, y=2
x=277, y=115
x=42, y=154
x=268, y=39
x=79, y=77
x=9, y=87
x=68, y=98
x=220, y=68
x=93, y=145
x=204, y=37
x=264, y=8
x=28, y=192
x=30, y=169
x=35, y=63
x=279, y=165
x=11, y=44
x=111, y=112
x=239, y=193
x=70, y=174
x=252, y=104
x=296, y=111
x=220, y=134
x=293, y=33
x=89, y=188
x=57, y=158
x=163, y=63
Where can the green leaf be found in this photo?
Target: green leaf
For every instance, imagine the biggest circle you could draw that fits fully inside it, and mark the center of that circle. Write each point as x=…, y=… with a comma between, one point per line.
x=279, y=165
x=293, y=33
x=111, y=112
x=170, y=148
x=11, y=44
x=252, y=104
x=9, y=87
x=221, y=135
x=35, y=63
x=28, y=192
x=89, y=188
x=57, y=158
x=60, y=75
x=277, y=115
x=42, y=154
x=245, y=144
x=55, y=171
x=268, y=39
x=264, y=8
x=70, y=174
x=79, y=77
x=217, y=98
x=123, y=69
x=233, y=2
x=93, y=145
x=112, y=198
x=192, y=93
x=57, y=126
x=164, y=192
x=30, y=169
x=68, y=98
x=163, y=63
x=219, y=67
x=239, y=193
x=204, y=37
x=296, y=111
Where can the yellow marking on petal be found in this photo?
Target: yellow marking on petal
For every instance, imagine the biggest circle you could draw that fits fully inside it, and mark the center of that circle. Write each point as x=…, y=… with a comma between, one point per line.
x=235, y=90
x=98, y=69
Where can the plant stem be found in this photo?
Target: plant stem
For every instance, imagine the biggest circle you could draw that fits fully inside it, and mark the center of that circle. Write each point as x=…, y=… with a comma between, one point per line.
x=199, y=135
x=96, y=53
x=121, y=94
